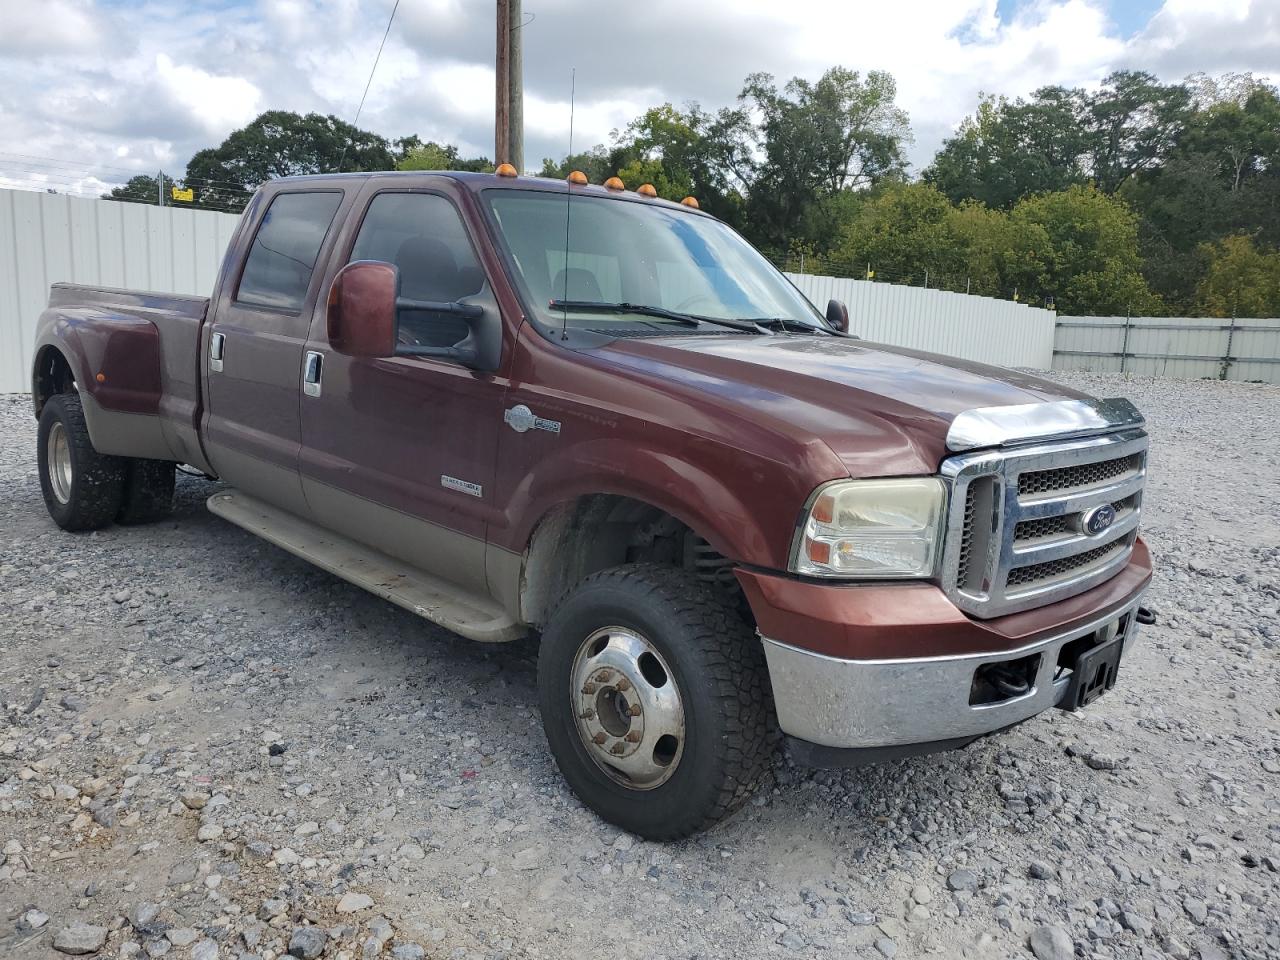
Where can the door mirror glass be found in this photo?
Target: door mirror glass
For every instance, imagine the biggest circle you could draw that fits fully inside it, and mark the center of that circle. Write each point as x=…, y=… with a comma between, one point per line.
x=361, y=316
x=838, y=315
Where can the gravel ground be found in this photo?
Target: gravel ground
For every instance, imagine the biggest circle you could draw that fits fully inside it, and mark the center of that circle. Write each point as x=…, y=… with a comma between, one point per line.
x=209, y=749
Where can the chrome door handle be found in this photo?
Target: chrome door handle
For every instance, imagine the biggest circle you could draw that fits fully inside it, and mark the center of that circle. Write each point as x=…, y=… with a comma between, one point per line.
x=216, y=343
x=312, y=371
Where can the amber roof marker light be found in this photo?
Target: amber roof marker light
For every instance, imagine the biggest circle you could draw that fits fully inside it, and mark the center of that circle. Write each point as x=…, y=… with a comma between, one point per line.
x=505, y=170
x=578, y=177
x=646, y=190
x=690, y=202
x=614, y=183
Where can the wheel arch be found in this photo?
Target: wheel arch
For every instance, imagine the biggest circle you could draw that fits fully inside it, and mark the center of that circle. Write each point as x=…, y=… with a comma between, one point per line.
x=592, y=532
x=51, y=374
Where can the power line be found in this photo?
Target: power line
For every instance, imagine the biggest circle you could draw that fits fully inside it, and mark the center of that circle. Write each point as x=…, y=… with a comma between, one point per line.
x=369, y=82
x=30, y=160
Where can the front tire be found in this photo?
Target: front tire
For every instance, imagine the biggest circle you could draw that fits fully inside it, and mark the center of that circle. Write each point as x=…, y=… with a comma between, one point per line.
x=654, y=700
x=83, y=489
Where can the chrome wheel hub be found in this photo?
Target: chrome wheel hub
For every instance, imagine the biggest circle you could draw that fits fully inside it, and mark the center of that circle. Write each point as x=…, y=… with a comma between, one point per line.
x=628, y=708
x=58, y=456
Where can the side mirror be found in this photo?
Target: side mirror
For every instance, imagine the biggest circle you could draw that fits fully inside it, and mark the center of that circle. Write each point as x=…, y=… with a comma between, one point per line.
x=838, y=315
x=361, y=317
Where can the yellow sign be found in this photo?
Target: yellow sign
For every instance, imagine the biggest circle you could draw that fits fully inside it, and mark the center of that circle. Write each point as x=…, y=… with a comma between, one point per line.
x=188, y=194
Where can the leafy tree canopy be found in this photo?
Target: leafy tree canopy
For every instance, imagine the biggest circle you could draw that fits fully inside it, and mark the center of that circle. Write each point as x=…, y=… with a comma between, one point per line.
x=1240, y=280
x=435, y=156
x=1135, y=195
x=283, y=144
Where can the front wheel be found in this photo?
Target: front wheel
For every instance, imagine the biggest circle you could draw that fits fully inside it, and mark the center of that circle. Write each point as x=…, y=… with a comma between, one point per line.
x=654, y=700
x=82, y=488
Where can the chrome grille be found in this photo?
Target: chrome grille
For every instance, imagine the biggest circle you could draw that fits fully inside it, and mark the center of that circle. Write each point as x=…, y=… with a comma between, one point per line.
x=1076, y=476
x=966, y=544
x=1061, y=525
x=1055, y=568
x=1016, y=536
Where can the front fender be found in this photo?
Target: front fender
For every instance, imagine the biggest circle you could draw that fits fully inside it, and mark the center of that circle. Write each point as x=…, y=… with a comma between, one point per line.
x=696, y=494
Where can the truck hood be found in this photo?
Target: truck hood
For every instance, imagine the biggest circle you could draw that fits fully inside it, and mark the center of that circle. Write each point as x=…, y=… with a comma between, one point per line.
x=882, y=410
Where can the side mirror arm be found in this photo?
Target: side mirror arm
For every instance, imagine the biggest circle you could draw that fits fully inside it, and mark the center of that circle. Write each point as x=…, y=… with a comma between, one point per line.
x=468, y=311
x=466, y=354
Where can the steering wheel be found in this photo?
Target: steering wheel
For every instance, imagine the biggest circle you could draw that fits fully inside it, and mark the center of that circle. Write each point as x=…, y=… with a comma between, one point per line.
x=685, y=305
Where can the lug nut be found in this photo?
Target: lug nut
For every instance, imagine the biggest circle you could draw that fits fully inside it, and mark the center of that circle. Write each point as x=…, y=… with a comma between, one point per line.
x=589, y=688
x=617, y=749
x=634, y=710
x=624, y=684
x=599, y=739
x=633, y=736
x=588, y=714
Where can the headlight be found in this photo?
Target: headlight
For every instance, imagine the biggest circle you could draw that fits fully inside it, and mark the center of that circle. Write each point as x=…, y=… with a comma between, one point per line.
x=871, y=528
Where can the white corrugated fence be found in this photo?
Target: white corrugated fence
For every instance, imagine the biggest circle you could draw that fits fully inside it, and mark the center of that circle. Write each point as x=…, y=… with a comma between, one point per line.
x=46, y=238
x=1002, y=332
x=1183, y=347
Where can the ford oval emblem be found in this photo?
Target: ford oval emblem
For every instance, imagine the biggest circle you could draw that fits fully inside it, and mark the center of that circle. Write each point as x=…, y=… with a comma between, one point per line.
x=1098, y=520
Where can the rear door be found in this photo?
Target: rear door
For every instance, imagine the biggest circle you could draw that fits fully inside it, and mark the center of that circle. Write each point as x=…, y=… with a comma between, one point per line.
x=253, y=348
x=400, y=452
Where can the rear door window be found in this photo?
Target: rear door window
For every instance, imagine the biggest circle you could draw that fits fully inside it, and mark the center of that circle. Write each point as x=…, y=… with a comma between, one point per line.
x=282, y=259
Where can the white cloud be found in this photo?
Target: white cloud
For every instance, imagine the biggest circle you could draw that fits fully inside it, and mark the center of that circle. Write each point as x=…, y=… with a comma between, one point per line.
x=49, y=27
x=217, y=103
x=135, y=86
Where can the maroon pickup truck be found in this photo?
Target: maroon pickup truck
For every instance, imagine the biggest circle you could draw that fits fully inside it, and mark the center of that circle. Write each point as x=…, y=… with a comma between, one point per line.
x=516, y=405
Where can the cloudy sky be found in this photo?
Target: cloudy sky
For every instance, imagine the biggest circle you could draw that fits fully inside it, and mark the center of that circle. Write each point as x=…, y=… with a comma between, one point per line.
x=91, y=90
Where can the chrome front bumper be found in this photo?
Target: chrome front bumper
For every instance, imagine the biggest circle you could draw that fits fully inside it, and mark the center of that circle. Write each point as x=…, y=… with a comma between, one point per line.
x=854, y=704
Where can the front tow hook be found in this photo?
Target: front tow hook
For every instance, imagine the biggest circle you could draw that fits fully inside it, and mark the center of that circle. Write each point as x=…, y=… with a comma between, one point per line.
x=1146, y=616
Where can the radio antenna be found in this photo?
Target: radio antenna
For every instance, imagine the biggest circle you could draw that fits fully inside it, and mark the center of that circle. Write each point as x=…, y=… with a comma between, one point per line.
x=568, y=197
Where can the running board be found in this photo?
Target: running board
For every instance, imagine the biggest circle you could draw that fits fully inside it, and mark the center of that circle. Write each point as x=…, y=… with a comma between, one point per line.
x=474, y=617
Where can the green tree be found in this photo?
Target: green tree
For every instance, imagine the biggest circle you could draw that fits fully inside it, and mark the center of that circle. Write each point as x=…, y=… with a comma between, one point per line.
x=1133, y=123
x=689, y=152
x=1061, y=137
x=599, y=163
x=903, y=231
x=1091, y=264
x=1240, y=280
x=282, y=144
x=141, y=188
x=435, y=156
x=1009, y=150
x=1222, y=178
x=814, y=140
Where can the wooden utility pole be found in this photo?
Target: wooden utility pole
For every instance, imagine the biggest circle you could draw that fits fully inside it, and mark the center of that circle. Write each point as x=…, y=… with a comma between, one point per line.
x=515, y=84
x=502, y=84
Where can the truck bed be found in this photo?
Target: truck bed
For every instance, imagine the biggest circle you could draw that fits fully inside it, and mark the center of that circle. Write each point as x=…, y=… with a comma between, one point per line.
x=135, y=356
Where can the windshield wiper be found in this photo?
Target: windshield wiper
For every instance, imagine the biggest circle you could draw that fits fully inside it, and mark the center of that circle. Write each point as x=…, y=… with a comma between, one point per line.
x=786, y=323
x=646, y=310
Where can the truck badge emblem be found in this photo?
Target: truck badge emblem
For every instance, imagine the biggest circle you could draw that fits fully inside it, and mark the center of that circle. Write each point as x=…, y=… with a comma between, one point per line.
x=521, y=419
x=1098, y=520
x=462, y=486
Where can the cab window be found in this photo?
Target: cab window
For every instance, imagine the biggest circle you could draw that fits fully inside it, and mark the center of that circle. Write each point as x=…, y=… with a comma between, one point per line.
x=423, y=236
x=282, y=259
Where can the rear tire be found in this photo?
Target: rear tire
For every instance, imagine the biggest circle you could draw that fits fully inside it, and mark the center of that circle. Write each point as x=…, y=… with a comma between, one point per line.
x=83, y=489
x=148, y=491
x=614, y=725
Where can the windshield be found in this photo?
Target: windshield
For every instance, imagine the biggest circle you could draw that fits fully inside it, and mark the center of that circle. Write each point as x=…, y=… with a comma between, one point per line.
x=629, y=253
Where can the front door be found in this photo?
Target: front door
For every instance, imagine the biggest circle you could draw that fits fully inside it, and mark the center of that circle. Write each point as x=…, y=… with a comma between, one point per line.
x=399, y=453
x=253, y=350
